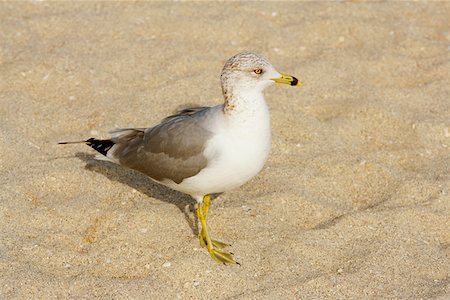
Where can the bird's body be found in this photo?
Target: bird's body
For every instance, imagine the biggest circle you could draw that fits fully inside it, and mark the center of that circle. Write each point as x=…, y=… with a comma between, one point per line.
x=236, y=151
x=205, y=150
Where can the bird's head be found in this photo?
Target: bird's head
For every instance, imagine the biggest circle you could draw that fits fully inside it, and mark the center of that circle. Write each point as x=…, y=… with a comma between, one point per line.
x=251, y=71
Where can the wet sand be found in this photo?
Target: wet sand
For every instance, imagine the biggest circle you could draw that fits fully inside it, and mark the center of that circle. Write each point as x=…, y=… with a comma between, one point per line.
x=353, y=202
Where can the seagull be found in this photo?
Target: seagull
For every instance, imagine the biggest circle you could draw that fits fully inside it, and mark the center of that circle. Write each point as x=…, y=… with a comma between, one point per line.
x=200, y=151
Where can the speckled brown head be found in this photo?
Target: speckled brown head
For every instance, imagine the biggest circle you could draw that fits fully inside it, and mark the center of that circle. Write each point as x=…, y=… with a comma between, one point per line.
x=250, y=71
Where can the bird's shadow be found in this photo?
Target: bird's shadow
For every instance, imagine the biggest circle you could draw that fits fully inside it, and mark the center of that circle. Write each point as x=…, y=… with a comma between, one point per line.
x=143, y=184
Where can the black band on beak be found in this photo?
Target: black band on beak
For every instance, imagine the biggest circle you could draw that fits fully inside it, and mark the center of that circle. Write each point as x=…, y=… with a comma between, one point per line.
x=294, y=81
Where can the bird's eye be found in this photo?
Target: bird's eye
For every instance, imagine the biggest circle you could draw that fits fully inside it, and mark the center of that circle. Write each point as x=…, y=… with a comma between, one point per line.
x=258, y=71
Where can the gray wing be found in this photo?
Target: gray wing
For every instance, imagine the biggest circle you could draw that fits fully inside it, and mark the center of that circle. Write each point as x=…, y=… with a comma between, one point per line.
x=172, y=149
x=186, y=112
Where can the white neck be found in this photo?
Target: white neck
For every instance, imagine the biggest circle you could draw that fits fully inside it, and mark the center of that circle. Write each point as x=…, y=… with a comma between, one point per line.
x=245, y=101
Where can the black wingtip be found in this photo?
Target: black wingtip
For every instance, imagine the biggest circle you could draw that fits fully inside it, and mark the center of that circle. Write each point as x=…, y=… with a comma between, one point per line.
x=75, y=142
x=102, y=146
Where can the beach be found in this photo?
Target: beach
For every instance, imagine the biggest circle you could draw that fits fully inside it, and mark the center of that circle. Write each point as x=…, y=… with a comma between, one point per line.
x=353, y=202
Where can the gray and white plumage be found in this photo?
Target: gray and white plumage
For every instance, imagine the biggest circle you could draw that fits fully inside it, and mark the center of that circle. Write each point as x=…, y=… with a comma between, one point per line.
x=205, y=150
x=171, y=150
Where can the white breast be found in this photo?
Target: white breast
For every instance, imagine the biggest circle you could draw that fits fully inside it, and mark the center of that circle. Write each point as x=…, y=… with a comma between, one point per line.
x=236, y=153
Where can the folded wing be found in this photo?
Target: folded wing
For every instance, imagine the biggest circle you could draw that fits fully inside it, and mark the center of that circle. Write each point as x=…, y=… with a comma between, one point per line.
x=171, y=150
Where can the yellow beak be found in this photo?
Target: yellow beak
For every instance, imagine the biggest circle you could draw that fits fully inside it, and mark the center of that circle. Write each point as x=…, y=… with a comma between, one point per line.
x=287, y=79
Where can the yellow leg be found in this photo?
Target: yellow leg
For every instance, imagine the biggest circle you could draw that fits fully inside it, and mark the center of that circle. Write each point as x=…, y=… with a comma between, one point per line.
x=206, y=203
x=203, y=242
x=218, y=255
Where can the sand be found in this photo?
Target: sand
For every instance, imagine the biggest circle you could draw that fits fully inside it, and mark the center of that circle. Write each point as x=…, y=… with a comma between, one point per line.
x=353, y=202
